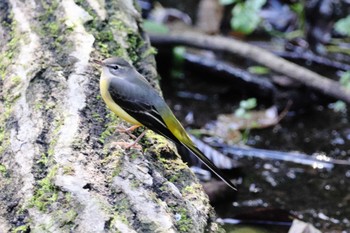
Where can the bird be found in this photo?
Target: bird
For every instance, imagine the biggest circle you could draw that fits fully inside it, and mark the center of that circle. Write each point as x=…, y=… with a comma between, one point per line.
x=131, y=97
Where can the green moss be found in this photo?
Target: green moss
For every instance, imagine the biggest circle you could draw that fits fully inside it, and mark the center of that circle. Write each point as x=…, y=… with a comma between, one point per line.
x=135, y=43
x=46, y=158
x=11, y=47
x=3, y=169
x=47, y=192
x=106, y=133
x=183, y=223
x=43, y=159
x=149, y=52
x=174, y=178
x=49, y=9
x=53, y=28
x=104, y=49
x=135, y=183
x=16, y=80
x=71, y=215
x=66, y=217
x=110, y=127
x=97, y=117
x=57, y=127
x=21, y=229
x=50, y=105
x=123, y=219
x=116, y=171
x=68, y=197
x=103, y=33
x=175, y=165
x=134, y=156
x=118, y=217
x=122, y=205
x=51, y=149
x=85, y=5
x=161, y=142
x=107, y=34
x=2, y=134
x=68, y=170
x=121, y=210
x=112, y=162
x=48, y=17
x=38, y=106
x=4, y=140
x=7, y=110
x=63, y=214
x=188, y=189
x=191, y=189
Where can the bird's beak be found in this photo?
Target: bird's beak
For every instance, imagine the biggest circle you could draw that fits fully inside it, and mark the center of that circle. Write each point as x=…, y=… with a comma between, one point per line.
x=98, y=62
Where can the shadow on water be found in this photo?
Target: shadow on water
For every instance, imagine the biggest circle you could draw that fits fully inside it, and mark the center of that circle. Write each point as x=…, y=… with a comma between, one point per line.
x=318, y=196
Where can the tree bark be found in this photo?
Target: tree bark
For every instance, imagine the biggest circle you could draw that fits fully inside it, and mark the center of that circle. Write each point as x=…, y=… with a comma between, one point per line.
x=60, y=168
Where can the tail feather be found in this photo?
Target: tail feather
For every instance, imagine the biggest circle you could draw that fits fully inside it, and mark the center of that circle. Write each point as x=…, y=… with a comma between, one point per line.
x=209, y=164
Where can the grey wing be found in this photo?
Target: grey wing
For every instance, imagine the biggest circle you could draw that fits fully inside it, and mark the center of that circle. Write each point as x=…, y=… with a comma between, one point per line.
x=140, y=101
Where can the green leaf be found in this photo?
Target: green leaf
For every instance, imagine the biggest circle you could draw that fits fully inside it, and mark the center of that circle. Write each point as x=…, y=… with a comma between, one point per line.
x=258, y=70
x=248, y=103
x=179, y=54
x=227, y=2
x=154, y=27
x=240, y=112
x=179, y=59
x=297, y=8
x=343, y=26
x=245, y=16
x=338, y=106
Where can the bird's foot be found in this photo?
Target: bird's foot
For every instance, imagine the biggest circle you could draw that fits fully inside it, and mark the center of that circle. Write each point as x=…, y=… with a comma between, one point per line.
x=134, y=144
x=127, y=130
x=127, y=145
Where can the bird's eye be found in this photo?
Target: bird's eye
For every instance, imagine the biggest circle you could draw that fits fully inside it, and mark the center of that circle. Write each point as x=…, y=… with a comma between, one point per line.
x=114, y=67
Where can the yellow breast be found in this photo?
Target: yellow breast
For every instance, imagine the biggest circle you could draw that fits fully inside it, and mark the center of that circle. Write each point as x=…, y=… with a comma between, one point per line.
x=113, y=105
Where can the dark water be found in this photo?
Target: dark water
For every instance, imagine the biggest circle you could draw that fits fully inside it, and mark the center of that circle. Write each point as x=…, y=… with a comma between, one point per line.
x=318, y=196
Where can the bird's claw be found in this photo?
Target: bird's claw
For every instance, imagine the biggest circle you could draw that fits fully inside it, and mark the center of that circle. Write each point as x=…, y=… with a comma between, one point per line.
x=127, y=145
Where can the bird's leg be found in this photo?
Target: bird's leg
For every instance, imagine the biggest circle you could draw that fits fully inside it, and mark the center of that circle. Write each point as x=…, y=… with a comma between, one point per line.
x=136, y=140
x=128, y=130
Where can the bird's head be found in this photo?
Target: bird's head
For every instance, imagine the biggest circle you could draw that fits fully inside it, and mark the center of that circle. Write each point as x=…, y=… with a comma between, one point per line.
x=115, y=67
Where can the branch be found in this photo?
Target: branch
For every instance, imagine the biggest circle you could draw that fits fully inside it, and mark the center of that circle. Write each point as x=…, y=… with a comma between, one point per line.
x=259, y=55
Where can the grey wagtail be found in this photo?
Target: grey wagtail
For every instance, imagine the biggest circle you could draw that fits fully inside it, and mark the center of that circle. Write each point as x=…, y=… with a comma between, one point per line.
x=130, y=96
